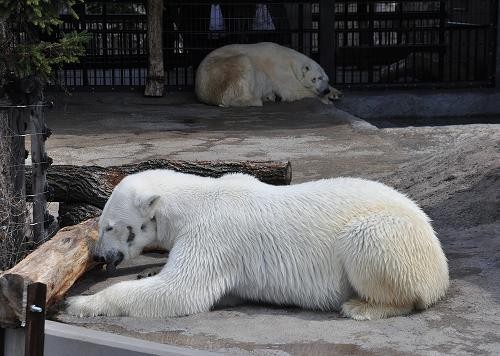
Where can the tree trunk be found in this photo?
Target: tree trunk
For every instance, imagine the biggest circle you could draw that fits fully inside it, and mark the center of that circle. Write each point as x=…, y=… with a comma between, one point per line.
x=58, y=263
x=155, y=82
x=93, y=185
x=74, y=213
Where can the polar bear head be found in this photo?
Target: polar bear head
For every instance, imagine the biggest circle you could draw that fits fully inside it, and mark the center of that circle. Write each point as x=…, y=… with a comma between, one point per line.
x=127, y=224
x=313, y=77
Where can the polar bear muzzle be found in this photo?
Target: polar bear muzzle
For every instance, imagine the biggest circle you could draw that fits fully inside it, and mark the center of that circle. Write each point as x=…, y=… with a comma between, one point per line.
x=111, y=260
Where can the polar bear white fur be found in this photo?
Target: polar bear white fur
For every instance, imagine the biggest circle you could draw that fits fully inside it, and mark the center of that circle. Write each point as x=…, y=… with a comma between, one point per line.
x=344, y=244
x=249, y=74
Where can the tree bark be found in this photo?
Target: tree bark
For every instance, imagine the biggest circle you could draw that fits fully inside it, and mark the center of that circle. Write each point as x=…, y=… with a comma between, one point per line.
x=58, y=263
x=74, y=213
x=93, y=185
x=155, y=82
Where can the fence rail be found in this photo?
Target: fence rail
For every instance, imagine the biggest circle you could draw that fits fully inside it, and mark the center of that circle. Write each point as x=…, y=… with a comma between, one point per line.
x=362, y=44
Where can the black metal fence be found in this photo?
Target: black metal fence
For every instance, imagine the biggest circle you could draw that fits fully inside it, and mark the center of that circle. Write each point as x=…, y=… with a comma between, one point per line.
x=441, y=43
x=117, y=53
x=361, y=44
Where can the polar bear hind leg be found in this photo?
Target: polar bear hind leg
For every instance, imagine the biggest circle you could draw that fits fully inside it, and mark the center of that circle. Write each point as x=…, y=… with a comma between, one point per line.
x=237, y=82
x=394, y=264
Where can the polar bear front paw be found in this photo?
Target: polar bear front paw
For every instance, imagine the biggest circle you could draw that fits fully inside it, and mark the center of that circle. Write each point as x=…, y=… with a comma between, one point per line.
x=362, y=310
x=333, y=95
x=90, y=305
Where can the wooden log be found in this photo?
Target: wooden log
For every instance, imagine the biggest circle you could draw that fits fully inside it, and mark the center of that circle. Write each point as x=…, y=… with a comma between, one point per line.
x=58, y=263
x=93, y=185
x=74, y=213
x=155, y=82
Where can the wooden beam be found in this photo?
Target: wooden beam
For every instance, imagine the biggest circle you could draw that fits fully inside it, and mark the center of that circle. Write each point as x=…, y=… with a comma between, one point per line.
x=155, y=81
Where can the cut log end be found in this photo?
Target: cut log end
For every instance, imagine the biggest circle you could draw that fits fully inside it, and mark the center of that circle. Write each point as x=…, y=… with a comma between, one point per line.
x=57, y=263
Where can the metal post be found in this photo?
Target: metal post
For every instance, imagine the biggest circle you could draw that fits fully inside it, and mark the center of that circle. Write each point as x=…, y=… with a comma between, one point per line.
x=327, y=36
x=35, y=319
x=2, y=342
x=40, y=162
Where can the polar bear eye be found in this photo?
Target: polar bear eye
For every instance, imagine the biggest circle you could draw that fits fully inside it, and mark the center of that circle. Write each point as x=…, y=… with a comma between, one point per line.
x=143, y=227
x=314, y=80
x=131, y=234
x=109, y=228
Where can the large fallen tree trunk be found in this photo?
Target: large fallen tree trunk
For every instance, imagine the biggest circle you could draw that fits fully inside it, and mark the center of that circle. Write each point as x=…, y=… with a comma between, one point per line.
x=58, y=263
x=83, y=190
x=93, y=185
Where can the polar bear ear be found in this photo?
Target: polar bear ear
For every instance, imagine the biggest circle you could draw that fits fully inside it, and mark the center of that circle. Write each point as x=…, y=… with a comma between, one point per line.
x=300, y=70
x=305, y=69
x=147, y=204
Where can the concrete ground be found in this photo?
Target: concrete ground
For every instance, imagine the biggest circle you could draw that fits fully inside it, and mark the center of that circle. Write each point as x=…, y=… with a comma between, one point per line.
x=452, y=171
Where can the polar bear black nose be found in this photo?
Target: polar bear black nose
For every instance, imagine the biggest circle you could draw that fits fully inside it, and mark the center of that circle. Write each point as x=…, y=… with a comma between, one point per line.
x=326, y=91
x=119, y=258
x=98, y=258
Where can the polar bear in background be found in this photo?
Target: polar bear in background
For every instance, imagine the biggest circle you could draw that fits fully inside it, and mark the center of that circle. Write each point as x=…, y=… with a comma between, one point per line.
x=249, y=74
x=344, y=244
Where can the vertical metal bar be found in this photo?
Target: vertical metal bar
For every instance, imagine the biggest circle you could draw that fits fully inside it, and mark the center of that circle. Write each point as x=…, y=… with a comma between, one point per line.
x=486, y=51
x=475, y=61
x=130, y=54
x=301, y=28
x=493, y=41
x=35, y=319
x=441, y=44
x=450, y=55
x=2, y=342
x=409, y=43
x=327, y=36
x=459, y=59
x=104, y=32
x=344, y=41
x=371, y=32
x=81, y=23
x=467, y=56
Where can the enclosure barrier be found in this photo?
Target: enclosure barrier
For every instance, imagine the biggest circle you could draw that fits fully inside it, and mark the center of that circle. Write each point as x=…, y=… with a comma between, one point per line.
x=18, y=123
x=361, y=44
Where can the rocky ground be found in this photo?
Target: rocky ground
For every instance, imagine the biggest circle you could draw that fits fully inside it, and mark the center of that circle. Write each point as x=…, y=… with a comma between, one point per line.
x=452, y=171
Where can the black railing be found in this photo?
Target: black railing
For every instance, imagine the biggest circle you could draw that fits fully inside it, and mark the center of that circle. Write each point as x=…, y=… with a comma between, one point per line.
x=117, y=53
x=361, y=44
x=415, y=43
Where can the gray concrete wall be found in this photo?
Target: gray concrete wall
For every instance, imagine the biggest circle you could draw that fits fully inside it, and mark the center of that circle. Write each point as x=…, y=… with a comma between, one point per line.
x=63, y=340
x=422, y=103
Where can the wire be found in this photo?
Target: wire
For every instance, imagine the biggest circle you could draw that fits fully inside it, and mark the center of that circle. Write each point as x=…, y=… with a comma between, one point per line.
x=30, y=165
x=34, y=195
x=26, y=135
x=24, y=106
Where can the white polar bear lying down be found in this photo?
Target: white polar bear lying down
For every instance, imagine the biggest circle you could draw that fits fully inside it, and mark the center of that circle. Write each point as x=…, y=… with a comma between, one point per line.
x=249, y=74
x=344, y=244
